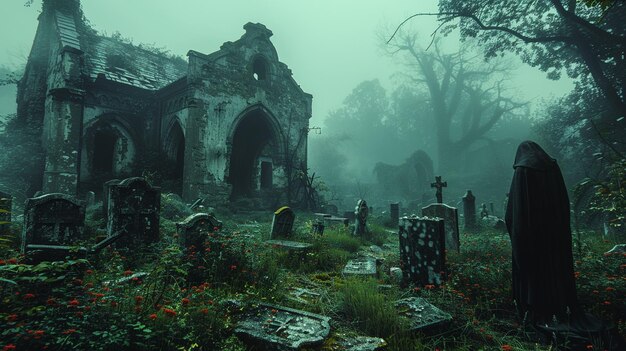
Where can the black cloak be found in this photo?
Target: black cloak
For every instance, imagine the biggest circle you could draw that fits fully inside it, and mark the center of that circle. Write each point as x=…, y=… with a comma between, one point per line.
x=538, y=221
x=544, y=287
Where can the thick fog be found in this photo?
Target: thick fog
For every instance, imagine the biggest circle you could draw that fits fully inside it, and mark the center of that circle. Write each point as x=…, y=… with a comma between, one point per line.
x=370, y=103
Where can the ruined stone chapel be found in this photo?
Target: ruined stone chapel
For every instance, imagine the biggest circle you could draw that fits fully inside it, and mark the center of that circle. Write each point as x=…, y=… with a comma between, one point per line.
x=232, y=122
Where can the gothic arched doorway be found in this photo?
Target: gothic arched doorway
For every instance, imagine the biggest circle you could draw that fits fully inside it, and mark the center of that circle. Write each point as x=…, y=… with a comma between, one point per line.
x=255, y=146
x=175, y=151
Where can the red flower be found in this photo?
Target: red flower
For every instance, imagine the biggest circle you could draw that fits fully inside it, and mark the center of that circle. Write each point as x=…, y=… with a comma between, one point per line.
x=9, y=347
x=506, y=347
x=152, y=316
x=138, y=299
x=429, y=286
x=28, y=296
x=128, y=272
x=233, y=267
x=169, y=312
x=12, y=317
x=185, y=301
x=69, y=331
x=589, y=347
x=12, y=260
x=89, y=271
x=37, y=334
x=606, y=303
x=2, y=262
x=610, y=288
x=73, y=302
x=204, y=311
x=113, y=304
x=211, y=302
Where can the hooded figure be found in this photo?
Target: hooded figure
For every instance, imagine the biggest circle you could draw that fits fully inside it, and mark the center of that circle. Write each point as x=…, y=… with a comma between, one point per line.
x=538, y=221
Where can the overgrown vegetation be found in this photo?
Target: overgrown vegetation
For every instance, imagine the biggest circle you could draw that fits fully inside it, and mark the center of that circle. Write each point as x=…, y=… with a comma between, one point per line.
x=172, y=298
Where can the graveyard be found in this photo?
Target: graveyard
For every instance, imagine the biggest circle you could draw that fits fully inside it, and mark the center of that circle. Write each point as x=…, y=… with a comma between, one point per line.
x=152, y=272
x=437, y=175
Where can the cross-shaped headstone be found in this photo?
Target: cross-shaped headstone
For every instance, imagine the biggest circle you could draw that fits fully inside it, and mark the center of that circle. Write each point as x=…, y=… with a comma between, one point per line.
x=439, y=185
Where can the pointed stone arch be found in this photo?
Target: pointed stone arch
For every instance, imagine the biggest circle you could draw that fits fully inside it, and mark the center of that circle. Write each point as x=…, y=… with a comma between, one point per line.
x=256, y=146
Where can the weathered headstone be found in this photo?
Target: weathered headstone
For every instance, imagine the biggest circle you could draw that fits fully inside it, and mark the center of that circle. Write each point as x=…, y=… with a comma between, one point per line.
x=394, y=213
x=349, y=215
x=469, y=210
x=133, y=209
x=421, y=313
x=483, y=210
x=282, y=223
x=90, y=199
x=450, y=218
x=363, y=266
x=270, y=327
x=6, y=201
x=193, y=231
x=105, y=194
x=52, y=220
x=439, y=185
x=422, y=250
x=361, y=212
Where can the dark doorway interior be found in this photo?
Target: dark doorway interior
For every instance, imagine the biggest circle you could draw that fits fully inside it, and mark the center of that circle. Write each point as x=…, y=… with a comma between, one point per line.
x=252, y=135
x=104, y=151
x=176, y=153
x=266, y=175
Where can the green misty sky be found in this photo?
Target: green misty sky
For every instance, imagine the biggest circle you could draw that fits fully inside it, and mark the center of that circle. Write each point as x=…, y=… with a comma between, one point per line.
x=330, y=45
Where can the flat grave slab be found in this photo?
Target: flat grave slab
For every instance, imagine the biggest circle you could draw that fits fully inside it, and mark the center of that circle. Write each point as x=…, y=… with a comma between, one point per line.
x=274, y=327
x=289, y=245
x=360, y=266
x=421, y=313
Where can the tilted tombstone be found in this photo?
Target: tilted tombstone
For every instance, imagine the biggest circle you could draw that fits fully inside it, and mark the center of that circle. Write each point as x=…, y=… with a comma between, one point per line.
x=469, y=210
x=361, y=212
x=394, y=213
x=450, y=218
x=422, y=250
x=282, y=223
x=6, y=201
x=133, y=209
x=52, y=220
x=194, y=230
x=105, y=194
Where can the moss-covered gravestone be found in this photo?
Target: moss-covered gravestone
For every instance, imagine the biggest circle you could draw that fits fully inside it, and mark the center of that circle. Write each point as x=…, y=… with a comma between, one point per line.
x=195, y=229
x=52, y=224
x=6, y=200
x=133, y=209
x=422, y=250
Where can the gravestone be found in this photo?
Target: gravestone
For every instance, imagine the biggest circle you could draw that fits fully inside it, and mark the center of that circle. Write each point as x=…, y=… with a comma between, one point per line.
x=6, y=201
x=361, y=212
x=195, y=229
x=450, y=218
x=133, y=209
x=90, y=199
x=394, y=213
x=483, y=210
x=363, y=266
x=52, y=220
x=421, y=313
x=422, y=250
x=349, y=215
x=105, y=194
x=439, y=185
x=469, y=210
x=270, y=327
x=282, y=223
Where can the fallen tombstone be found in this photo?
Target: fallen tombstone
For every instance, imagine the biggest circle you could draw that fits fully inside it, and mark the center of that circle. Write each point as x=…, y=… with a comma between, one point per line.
x=342, y=342
x=273, y=327
x=362, y=266
x=421, y=313
x=194, y=230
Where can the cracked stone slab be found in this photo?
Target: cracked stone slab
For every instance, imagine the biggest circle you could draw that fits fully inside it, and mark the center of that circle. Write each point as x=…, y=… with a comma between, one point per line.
x=421, y=313
x=280, y=328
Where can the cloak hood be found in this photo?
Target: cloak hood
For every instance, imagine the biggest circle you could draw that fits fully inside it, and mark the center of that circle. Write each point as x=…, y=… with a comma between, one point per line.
x=531, y=155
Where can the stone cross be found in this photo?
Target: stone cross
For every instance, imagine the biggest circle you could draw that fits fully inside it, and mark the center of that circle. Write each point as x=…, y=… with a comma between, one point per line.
x=439, y=185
